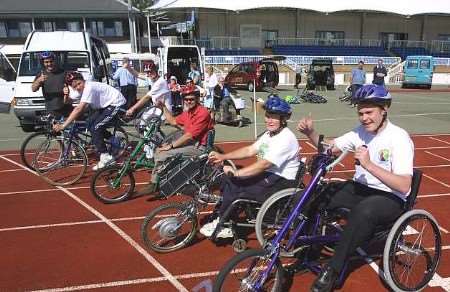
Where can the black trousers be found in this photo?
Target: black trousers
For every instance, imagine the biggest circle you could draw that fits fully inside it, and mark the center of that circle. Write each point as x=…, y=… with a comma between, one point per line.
x=130, y=93
x=369, y=208
x=257, y=188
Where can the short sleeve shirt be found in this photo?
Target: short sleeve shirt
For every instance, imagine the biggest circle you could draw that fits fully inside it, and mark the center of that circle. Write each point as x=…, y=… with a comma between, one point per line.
x=281, y=150
x=391, y=149
x=197, y=122
x=160, y=91
x=100, y=95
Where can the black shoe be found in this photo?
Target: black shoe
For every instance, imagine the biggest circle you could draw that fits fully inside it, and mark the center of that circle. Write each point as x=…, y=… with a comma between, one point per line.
x=149, y=189
x=326, y=280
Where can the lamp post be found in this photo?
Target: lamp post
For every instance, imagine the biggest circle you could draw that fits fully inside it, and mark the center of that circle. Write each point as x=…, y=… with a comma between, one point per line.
x=131, y=26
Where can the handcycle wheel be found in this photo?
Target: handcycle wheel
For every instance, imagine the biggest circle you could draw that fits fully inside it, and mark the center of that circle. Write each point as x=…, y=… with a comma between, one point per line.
x=112, y=184
x=29, y=147
x=273, y=213
x=412, y=251
x=169, y=227
x=58, y=164
x=244, y=270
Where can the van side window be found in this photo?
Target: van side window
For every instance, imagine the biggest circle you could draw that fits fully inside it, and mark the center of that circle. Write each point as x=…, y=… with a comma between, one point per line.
x=412, y=64
x=7, y=73
x=424, y=64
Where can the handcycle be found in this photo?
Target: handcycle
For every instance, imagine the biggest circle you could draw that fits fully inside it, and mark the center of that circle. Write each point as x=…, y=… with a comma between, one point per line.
x=61, y=159
x=116, y=183
x=300, y=235
x=116, y=143
x=346, y=95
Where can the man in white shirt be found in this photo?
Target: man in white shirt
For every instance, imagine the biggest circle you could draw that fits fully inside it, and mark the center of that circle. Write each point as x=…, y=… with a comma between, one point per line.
x=105, y=100
x=384, y=156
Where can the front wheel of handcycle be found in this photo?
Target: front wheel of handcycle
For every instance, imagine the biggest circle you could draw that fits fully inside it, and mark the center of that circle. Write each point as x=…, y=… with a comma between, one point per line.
x=60, y=161
x=169, y=227
x=244, y=271
x=412, y=251
x=112, y=184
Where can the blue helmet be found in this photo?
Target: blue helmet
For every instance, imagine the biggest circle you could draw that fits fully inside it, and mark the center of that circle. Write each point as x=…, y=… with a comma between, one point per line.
x=275, y=105
x=46, y=55
x=372, y=93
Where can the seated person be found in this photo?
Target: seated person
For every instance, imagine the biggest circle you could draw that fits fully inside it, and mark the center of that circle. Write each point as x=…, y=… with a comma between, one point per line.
x=277, y=152
x=106, y=103
x=223, y=98
x=196, y=123
x=382, y=180
x=175, y=90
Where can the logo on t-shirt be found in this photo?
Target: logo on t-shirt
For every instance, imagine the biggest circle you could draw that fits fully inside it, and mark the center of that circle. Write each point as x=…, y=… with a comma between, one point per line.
x=263, y=148
x=384, y=155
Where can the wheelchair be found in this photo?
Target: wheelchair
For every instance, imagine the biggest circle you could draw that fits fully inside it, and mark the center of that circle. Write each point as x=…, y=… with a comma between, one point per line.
x=411, y=252
x=232, y=117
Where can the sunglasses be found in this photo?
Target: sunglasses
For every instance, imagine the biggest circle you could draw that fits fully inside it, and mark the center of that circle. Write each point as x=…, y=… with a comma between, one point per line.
x=189, y=99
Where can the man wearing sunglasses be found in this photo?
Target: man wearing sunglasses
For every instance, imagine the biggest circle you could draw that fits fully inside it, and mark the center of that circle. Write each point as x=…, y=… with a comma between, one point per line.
x=196, y=122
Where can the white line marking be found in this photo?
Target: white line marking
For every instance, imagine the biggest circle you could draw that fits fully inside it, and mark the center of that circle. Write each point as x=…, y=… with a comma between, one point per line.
x=436, y=180
x=436, y=155
x=119, y=231
x=12, y=170
x=436, y=139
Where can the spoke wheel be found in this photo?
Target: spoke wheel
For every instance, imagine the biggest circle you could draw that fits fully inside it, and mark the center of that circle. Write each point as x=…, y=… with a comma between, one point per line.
x=112, y=184
x=169, y=227
x=29, y=147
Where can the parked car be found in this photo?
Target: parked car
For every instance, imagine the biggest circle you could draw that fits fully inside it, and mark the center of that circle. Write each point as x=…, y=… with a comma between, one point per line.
x=418, y=71
x=263, y=72
x=320, y=73
x=78, y=51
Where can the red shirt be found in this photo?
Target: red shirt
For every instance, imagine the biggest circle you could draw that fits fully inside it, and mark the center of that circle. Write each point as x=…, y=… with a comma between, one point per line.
x=197, y=122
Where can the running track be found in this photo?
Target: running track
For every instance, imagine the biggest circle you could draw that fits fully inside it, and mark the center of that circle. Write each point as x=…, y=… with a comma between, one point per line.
x=63, y=239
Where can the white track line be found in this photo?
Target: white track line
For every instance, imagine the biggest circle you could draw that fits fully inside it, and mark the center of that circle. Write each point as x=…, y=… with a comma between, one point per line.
x=436, y=180
x=436, y=139
x=12, y=170
x=119, y=231
x=436, y=155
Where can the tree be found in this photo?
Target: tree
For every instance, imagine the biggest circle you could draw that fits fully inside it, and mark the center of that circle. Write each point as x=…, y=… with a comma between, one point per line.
x=142, y=5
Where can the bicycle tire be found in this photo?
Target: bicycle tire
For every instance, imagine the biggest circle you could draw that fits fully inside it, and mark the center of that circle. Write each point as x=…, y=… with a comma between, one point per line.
x=232, y=269
x=74, y=161
x=29, y=147
x=168, y=227
x=102, y=178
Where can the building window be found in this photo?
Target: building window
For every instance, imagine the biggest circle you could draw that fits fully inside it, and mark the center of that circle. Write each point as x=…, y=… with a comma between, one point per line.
x=106, y=28
x=14, y=28
x=3, y=32
x=58, y=24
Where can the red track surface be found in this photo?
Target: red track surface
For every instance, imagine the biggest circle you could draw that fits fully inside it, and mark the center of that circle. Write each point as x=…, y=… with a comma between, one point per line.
x=64, y=239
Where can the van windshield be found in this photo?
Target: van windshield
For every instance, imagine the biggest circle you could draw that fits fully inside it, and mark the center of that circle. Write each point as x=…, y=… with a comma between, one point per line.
x=30, y=64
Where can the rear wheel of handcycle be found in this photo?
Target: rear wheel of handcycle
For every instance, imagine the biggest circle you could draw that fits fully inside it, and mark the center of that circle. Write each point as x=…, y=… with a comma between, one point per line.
x=59, y=165
x=112, y=185
x=29, y=147
x=412, y=251
x=243, y=272
x=169, y=227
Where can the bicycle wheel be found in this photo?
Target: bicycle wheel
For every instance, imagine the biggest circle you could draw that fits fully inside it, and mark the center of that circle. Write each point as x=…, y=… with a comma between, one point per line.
x=58, y=164
x=30, y=145
x=118, y=143
x=169, y=227
x=112, y=184
x=412, y=251
x=244, y=271
x=273, y=213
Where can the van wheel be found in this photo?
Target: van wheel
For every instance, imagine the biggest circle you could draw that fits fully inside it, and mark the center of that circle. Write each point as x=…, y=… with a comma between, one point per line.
x=428, y=86
x=27, y=128
x=250, y=86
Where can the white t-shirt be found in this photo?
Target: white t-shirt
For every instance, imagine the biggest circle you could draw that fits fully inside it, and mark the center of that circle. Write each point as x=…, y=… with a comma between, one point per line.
x=160, y=91
x=391, y=149
x=281, y=150
x=100, y=95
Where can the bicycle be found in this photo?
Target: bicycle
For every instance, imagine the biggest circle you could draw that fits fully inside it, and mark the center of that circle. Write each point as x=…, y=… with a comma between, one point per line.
x=301, y=235
x=62, y=160
x=116, y=144
x=116, y=183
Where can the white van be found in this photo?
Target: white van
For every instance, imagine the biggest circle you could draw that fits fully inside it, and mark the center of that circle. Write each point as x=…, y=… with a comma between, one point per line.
x=74, y=51
x=7, y=83
x=176, y=60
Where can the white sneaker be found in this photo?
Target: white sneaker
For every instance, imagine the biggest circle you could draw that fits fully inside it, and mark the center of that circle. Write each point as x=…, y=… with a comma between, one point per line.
x=225, y=233
x=208, y=229
x=105, y=159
